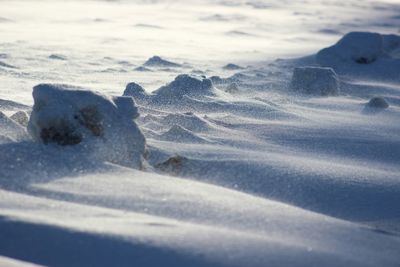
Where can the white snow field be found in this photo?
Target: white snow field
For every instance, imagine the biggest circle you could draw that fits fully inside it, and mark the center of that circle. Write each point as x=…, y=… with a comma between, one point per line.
x=200, y=133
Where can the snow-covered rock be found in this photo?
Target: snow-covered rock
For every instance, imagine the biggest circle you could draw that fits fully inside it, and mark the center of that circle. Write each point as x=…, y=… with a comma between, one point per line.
x=185, y=85
x=68, y=115
x=315, y=80
x=359, y=47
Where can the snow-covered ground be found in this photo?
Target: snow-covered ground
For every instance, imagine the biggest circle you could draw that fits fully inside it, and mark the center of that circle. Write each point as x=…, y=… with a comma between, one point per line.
x=272, y=137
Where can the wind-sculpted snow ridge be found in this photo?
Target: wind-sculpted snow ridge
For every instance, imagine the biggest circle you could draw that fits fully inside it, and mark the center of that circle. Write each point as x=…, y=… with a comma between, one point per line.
x=188, y=93
x=68, y=115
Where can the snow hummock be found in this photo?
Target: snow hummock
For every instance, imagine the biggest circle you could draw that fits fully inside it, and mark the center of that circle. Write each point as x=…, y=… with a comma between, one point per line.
x=364, y=54
x=358, y=47
x=136, y=91
x=10, y=130
x=315, y=80
x=21, y=117
x=378, y=102
x=180, y=134
x=67, y=115
x=157, y=61
x=5, y=65
x=231, y=66
x=57, y=57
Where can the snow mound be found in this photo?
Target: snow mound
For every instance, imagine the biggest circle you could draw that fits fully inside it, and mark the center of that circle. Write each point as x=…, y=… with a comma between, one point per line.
x=185, y=84
x=7, y=105
x=232, y=88
x=136, y=91
x=315, y=80
x=142, y=69
x=232, y=66
x=179, y=134
x=5, y=65
x=360, y=48
x=187, y=120
x=378, y=102
x=157, y=61
x=11, y=130
x=68, y=115
x=21, y=117
x=57, y=57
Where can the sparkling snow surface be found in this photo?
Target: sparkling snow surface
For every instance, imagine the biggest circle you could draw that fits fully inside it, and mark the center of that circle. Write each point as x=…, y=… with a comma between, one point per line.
x=240, y=168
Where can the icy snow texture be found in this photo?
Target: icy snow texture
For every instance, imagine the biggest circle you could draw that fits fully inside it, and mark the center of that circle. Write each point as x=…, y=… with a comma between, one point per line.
x=315, y=80
x=67, y=115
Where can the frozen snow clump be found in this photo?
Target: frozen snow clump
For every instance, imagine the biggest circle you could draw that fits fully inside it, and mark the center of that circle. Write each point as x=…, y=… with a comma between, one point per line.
x=315, y=80
x=68, y=115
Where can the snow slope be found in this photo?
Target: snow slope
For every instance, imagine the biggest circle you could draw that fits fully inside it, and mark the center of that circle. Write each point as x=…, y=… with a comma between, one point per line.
x=247, y=161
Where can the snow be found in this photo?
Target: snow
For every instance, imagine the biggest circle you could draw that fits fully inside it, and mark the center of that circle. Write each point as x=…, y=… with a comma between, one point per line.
x=287, y=156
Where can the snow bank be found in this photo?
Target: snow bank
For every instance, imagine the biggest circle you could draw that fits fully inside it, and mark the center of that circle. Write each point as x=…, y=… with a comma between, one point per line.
x=67, y=115
x=315, y=80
